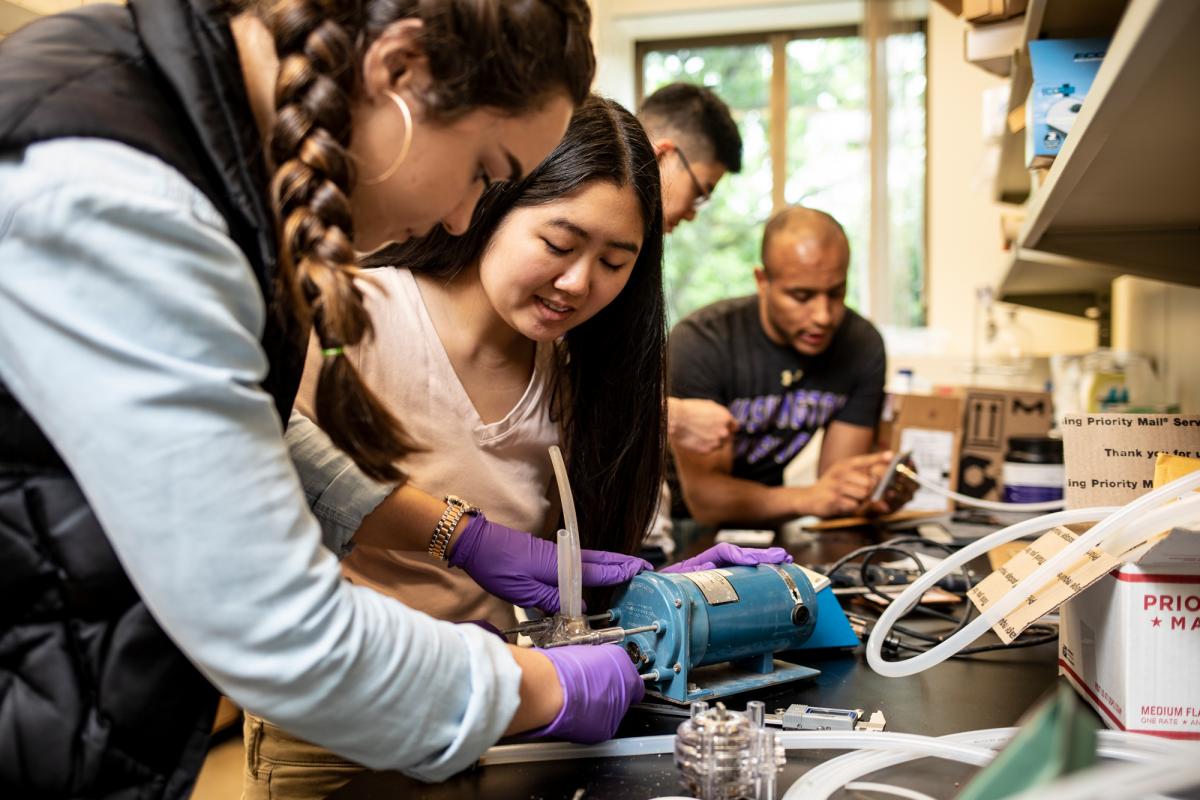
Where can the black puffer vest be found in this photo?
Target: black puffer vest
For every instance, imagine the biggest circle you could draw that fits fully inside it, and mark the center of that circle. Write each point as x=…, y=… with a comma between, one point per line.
x=95, y=700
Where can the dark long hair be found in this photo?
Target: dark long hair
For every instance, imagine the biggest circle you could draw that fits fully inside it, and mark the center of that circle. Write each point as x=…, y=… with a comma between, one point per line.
x=508, y=55
x=609, y=395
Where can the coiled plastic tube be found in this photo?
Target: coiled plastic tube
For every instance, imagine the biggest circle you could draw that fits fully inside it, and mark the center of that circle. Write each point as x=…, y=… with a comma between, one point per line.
x=1119, y=781
x=1112, y=522
x=918, y=746
x=873, y=751
x=901, y=605
x=828, y=778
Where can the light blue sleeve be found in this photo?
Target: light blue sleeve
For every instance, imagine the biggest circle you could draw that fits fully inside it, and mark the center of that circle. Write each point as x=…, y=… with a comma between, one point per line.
x=130, y=326
x=336, y=489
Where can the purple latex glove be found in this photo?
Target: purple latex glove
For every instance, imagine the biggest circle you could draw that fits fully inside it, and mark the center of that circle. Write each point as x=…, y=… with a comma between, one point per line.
x=730, y=555
x=523, y=569
x=599, y=684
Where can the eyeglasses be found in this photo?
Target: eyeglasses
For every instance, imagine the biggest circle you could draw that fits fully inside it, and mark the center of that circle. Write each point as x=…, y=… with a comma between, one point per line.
x=702, y=195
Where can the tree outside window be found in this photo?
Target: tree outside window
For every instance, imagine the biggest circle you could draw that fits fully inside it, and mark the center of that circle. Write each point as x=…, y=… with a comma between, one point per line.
x=828, y=161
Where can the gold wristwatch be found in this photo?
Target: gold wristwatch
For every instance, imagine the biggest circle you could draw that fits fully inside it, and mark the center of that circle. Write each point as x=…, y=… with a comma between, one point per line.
x=455, y=508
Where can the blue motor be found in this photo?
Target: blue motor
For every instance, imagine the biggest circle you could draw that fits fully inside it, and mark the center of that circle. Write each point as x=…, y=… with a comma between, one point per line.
x=718, y=629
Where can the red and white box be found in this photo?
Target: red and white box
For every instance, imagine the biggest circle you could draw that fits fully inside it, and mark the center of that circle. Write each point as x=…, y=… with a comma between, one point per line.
x=1130, y=643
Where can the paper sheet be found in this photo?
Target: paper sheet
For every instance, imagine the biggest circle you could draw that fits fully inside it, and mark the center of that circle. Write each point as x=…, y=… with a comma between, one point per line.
x=1089, y=569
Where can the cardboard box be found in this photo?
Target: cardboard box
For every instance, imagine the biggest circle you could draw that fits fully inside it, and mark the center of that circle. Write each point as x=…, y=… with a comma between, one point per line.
x=1130, y=643
x=953, y=6
x=1111, y=458
x=992, y=10
x=929, y=427
x=1063, y=70
x=992, y=46
x=990, y=417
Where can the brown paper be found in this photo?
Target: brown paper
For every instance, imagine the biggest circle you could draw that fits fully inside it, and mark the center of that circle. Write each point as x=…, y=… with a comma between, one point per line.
x=1110, y=457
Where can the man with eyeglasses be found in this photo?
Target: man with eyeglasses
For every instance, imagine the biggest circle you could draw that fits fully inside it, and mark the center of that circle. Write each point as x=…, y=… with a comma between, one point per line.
x=697, y=143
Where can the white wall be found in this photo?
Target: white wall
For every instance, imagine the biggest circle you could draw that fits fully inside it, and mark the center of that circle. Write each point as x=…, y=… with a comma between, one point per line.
x=1162, y=320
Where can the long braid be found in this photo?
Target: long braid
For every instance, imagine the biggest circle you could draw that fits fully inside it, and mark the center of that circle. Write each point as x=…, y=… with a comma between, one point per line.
x=313, y=179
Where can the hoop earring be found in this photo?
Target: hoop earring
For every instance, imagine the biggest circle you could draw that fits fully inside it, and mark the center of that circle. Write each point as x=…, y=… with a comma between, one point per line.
x=408, y=133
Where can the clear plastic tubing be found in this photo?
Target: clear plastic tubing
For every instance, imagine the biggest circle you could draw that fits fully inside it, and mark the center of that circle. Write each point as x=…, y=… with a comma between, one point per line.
x=976, y=502
x=1183, y=513
x=1119, y=781
x=570, y=581
x=570, y=563
x=828, y=778
x=1112, y=744
x=883, y=788
x=908, y=598
x=1112, y=522
x=874, y=751
x=918, y=746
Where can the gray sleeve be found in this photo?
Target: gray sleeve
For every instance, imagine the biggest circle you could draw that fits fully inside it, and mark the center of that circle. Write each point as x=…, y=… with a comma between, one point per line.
x=338, y=492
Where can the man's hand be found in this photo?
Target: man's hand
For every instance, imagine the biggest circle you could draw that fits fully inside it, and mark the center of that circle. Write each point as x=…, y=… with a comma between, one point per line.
x=700, y=426
x=846, y=487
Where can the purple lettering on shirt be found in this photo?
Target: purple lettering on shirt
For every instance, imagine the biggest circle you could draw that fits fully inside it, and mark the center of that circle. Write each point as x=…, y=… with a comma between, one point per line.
x=795, y=446
x=763, y=421
x=762, y=448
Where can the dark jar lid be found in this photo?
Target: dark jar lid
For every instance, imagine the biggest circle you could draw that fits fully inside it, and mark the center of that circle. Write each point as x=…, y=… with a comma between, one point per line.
x=1034, y=450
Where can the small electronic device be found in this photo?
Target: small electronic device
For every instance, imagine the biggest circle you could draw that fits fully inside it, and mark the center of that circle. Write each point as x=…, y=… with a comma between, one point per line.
x=890, y=476
x=696, y=635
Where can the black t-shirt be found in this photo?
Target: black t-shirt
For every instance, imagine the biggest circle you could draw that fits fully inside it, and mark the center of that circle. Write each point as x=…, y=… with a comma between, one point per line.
x=778, y=396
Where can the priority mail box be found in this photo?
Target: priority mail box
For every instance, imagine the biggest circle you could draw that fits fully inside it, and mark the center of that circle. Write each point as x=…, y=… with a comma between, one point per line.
x=1130, y=643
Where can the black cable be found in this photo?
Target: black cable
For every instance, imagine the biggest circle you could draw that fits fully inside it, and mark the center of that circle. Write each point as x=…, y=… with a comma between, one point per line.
x=967, y=606
x=1035, y=635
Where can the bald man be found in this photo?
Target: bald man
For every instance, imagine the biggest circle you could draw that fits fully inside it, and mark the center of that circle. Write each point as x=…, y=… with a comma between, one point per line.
x=784, y=362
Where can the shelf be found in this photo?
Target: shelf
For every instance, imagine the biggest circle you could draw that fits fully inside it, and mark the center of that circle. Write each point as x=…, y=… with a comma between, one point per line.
x=1124, y=190
x=1123, y=197
x=1057, y=283
x=1063, y=19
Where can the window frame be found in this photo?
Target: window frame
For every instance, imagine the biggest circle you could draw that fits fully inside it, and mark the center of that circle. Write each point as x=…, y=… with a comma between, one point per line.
x=777, y=40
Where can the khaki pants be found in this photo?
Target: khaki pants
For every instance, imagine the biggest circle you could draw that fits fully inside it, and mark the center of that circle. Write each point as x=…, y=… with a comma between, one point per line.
x=280, y=766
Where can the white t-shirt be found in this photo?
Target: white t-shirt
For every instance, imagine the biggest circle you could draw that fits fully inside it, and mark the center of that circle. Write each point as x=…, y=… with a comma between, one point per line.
x=502, y=467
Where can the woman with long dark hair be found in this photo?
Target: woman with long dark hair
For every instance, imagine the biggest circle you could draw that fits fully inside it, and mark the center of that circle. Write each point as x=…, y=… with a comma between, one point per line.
x=513, y=329
x=183, y=190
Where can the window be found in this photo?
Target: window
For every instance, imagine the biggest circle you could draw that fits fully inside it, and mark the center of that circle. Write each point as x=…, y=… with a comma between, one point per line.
x=821, y=109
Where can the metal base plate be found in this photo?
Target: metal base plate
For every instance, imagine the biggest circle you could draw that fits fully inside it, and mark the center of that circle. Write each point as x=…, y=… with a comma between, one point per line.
x=722, y=680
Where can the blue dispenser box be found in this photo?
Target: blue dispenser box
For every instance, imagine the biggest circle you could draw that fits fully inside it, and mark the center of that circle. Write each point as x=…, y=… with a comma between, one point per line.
x=1063, y=71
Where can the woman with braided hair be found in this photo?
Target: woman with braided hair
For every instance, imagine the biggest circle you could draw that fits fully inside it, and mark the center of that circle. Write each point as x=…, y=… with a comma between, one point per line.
x=184, y=188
